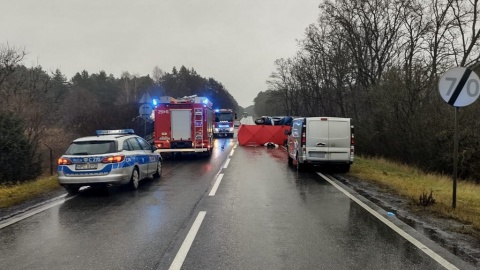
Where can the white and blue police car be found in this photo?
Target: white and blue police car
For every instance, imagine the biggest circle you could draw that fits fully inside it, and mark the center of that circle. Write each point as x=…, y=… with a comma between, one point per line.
x=112, y=157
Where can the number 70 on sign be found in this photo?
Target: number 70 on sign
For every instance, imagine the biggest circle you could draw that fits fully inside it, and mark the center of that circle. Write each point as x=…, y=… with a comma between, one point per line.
x=459, y=86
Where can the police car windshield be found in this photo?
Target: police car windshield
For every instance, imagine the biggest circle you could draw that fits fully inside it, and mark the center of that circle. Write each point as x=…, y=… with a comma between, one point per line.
x=91, y=148
x=223, y=117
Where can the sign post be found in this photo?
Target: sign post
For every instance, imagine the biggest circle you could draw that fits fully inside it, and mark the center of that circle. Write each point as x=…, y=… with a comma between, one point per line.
x=459, y=87
x=145, y=111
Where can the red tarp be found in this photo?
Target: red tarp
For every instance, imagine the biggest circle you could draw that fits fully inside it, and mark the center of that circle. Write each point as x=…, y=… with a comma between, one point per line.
x=251, y=135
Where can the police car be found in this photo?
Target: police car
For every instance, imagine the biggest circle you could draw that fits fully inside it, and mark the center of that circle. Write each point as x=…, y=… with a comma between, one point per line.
x=112, y=157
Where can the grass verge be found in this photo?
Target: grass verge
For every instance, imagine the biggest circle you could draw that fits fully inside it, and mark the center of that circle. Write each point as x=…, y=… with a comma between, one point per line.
x=14, y=194
x=411, y=183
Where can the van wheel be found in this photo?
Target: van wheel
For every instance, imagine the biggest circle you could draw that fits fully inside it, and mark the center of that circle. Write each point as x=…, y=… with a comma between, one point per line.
x=345, y=168
x=290, y=160
x=134, y=179
x=300, y=166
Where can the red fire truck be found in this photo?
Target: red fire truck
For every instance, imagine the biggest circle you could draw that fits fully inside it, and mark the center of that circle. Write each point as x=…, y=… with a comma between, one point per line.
x=223, y=125
x=183, y=125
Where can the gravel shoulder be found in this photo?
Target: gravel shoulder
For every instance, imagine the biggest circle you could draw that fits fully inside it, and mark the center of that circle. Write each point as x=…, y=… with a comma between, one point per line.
x=43, y=199
x=456, y=237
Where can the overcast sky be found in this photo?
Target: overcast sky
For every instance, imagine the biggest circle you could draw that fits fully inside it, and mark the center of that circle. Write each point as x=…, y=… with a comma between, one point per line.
x=233, y=41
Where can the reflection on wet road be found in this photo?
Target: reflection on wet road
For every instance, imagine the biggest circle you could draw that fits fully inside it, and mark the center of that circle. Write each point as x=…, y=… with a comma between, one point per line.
x=262, y=215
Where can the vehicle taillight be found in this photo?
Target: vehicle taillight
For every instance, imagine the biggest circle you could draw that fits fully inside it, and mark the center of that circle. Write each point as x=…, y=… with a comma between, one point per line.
x=64, y=161
x=304, y=138
x=353, y=136
x=113, y=159
x=352, y=148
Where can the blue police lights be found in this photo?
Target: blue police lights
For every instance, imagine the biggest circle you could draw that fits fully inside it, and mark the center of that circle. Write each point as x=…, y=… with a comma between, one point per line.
x=114, y=132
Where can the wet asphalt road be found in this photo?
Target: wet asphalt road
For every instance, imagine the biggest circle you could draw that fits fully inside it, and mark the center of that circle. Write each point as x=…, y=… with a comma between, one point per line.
x=264, y=215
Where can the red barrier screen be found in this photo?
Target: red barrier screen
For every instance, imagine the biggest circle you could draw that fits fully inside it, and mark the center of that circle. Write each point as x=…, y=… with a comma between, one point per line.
x=252, y=135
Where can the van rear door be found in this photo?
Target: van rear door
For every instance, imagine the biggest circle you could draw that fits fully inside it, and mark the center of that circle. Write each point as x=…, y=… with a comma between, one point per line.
x=317, y=138
x=339, y=136
x=328, y=139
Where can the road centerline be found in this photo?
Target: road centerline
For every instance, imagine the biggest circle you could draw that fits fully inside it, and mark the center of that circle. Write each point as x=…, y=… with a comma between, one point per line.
x=226, y=163
x=215, y=186
x=187, y=243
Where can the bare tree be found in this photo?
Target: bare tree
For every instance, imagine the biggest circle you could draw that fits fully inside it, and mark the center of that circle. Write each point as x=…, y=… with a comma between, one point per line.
x=10, y=57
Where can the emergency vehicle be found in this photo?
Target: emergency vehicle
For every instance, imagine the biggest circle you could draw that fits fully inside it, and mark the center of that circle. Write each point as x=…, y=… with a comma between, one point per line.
x=183, y=125
x=223, y=125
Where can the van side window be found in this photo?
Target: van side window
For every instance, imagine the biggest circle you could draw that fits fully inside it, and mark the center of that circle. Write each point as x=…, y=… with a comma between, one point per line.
x=296, y=128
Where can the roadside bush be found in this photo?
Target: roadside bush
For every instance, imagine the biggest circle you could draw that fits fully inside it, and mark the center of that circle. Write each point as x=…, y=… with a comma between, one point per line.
x=18, y=161
x=426, y=199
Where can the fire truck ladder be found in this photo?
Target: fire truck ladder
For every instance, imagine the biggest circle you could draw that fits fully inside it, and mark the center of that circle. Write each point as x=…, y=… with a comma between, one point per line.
x=198, y=127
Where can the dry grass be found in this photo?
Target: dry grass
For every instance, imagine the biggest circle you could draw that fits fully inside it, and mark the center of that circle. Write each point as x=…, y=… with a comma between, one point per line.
x=411, y=183
x=15, y=194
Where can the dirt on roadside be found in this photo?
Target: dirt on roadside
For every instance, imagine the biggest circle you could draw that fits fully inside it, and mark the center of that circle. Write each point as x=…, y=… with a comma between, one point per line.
x=458, y=238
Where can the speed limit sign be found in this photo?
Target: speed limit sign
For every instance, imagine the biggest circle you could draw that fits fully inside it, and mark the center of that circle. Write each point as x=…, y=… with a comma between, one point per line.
x=459, y=86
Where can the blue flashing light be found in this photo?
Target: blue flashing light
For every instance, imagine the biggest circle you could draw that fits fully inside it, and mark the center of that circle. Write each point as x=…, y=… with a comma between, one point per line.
x=114, y=131
x=205, y=101
x=217, y=110
x=154, y=102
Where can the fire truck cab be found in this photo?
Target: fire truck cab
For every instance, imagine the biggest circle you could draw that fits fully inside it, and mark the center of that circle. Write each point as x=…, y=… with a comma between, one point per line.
x=223, y=124
x=183, y=125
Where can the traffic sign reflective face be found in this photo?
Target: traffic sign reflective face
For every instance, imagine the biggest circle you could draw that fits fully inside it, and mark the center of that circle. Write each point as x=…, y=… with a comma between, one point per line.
x=459, y=86
x=145, y=109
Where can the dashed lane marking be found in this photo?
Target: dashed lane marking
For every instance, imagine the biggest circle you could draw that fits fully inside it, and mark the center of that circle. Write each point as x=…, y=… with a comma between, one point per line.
x=215, y=186
x=226, y=163
x=187, y=243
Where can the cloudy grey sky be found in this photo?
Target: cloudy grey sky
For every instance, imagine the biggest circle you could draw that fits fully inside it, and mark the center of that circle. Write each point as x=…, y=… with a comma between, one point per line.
x=232, y=41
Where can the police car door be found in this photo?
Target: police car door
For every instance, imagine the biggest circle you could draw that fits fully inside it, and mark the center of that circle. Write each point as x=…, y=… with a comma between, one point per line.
x=140, y=157
x=152, y=157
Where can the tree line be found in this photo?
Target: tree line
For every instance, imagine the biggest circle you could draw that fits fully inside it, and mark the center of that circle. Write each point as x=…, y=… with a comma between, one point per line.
x=379, y=62
x=44, y=111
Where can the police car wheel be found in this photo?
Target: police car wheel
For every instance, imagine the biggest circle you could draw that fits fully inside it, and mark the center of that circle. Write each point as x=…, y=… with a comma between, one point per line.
x=134, y=179
x=72, y=189
x=158, y=173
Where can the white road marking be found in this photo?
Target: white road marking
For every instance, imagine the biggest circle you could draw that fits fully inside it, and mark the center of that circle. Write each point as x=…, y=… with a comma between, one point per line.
x=233, y=151
x=187, y=243
x=215, y=186
x=394, y=227
x=56, y=201
x=226, y=163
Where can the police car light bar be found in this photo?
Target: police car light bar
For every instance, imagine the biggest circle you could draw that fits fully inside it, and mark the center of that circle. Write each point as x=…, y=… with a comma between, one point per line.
x=114, y=131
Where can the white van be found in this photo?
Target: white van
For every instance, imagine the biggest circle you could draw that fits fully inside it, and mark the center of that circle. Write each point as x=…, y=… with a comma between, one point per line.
x=321, y=141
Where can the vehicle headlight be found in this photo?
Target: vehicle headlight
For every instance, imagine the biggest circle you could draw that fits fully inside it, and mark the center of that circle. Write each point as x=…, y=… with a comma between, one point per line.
x=231, y=129
x=216, y=129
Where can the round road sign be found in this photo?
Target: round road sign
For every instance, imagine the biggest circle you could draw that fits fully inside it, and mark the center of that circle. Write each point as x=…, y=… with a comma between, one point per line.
x=459, y=86
x=145, y=109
